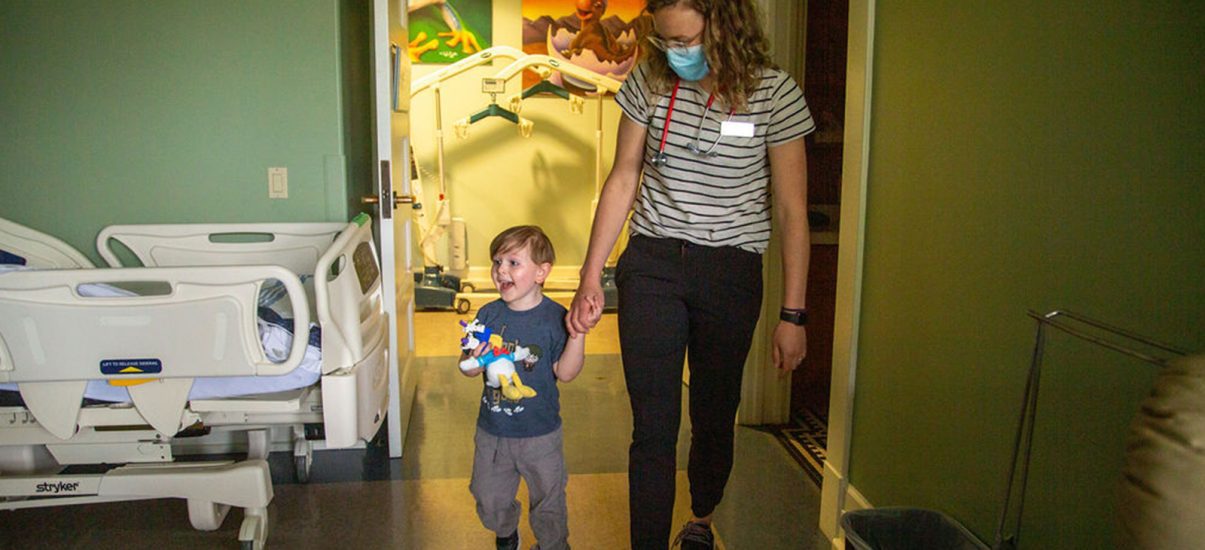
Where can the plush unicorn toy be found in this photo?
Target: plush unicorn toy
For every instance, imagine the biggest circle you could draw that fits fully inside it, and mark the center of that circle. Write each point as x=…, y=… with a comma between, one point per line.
x=498, y=362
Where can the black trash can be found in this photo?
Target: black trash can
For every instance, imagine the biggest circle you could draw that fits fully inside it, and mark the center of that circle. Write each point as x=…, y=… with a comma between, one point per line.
x=906, y=529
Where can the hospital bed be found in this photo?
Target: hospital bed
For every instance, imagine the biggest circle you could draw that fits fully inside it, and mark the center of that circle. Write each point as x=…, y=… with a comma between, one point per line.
x=187, y=317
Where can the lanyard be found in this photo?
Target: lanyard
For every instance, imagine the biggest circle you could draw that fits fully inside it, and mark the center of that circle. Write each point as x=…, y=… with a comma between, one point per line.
x=662, y=159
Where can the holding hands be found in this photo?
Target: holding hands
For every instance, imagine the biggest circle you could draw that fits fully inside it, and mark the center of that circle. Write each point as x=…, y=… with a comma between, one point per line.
x=586, y=309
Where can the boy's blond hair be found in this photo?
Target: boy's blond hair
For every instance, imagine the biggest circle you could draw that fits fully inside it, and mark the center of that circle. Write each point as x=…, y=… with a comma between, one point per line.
x=530, y=236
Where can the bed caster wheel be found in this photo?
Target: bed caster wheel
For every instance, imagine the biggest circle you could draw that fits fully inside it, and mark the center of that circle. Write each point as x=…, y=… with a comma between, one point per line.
x=463, y=306
x=468, y=288
x=253, y=533
x=301, y=468
x=303, y=460
x=205, y=515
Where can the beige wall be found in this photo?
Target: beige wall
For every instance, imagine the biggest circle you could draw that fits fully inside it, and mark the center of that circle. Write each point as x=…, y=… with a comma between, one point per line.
x=495, y=177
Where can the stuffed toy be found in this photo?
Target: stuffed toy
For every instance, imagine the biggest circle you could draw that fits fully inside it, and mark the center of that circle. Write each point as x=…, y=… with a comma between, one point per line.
x=498, y=361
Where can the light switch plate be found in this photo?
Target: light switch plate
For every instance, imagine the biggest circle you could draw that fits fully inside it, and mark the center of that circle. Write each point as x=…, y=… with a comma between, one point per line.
x=278, y=183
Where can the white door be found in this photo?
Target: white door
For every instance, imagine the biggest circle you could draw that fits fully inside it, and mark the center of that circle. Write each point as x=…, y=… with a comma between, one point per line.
x=391, y=101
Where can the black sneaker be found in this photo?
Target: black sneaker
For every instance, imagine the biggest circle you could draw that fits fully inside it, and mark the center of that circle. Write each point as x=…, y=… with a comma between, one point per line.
x=695, y=536
x=508, y=543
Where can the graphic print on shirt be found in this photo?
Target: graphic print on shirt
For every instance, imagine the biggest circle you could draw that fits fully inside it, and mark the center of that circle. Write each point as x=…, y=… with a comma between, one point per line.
x=505, y=388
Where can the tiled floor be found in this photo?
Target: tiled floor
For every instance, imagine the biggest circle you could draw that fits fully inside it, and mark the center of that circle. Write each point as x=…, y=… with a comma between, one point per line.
x=362, y=499
x=806, y=438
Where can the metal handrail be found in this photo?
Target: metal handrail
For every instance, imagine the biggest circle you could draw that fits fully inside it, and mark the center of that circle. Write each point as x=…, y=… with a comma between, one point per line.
x=1023, y=443
x=1052, y=320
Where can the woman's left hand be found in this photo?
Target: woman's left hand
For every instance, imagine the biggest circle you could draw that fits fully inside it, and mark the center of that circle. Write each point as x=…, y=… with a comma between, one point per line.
x=790, y=347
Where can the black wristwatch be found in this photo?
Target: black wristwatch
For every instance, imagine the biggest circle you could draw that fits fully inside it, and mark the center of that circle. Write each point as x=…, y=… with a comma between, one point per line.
x=794, y=316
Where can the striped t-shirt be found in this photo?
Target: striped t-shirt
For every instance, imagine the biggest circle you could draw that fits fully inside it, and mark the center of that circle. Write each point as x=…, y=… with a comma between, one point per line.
x=721, y=200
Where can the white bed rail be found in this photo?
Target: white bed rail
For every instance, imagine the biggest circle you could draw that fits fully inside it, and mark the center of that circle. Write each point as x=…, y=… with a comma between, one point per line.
x=296, y=246
x=348, y=295
x=53, y=340
x=355, y=340
x=53, y=328
x=347, y=298
x=38, y=249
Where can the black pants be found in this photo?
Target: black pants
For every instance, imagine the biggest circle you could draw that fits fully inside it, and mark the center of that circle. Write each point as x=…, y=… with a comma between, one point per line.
x=673, y=297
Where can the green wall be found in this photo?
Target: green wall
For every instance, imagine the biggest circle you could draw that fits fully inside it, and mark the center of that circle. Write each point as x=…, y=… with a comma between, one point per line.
x=173, y=111
x=1044, y=155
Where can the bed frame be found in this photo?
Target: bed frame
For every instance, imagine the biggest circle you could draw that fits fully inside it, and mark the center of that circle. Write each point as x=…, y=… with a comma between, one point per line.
x=201, y=323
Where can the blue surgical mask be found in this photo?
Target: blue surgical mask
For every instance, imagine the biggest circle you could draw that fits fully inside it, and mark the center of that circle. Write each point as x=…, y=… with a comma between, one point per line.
x=689, y=63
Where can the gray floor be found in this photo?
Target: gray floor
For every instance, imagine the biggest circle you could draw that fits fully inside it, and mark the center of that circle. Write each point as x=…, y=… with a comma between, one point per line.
x=362, y=499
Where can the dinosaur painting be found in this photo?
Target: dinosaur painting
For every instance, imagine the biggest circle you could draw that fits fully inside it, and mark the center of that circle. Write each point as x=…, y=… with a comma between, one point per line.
x=601, y=35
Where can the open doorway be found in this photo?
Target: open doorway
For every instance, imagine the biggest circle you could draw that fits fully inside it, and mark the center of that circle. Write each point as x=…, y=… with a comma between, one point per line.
x=821, y=68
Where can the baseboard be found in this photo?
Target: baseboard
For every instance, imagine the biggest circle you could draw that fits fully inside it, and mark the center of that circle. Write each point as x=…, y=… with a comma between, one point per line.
x=836, y=489
x=854, y=500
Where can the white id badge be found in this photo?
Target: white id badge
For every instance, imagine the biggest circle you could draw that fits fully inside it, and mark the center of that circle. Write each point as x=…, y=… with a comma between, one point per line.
x=736, y=129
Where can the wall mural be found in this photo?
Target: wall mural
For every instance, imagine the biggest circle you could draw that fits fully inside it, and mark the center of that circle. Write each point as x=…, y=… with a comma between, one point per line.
x=445, y=31
x=600, y=35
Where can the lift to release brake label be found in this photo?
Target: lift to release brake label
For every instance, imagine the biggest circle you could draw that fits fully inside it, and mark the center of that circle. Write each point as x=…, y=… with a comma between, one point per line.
x=130, y=366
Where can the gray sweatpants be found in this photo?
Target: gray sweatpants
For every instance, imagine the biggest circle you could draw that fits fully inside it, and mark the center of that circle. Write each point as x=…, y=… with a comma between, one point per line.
x=498, y=463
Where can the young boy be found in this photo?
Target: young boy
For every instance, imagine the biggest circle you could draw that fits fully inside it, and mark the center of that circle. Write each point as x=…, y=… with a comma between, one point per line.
x=520, y=342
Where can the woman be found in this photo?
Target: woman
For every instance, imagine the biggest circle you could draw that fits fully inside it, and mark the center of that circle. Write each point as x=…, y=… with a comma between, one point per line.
x=709, y=145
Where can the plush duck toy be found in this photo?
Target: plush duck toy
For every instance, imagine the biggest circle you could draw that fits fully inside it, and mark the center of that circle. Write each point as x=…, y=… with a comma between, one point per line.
x=498, y=362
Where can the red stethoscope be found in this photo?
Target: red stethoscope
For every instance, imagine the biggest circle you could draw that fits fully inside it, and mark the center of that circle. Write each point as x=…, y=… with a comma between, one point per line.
x=660, y=158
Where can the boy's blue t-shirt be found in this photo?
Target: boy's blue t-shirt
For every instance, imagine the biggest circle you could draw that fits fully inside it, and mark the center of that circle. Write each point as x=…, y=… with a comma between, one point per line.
x=542, y=330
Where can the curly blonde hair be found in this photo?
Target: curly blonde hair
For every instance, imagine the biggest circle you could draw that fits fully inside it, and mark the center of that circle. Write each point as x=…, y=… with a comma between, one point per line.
x=733, y=42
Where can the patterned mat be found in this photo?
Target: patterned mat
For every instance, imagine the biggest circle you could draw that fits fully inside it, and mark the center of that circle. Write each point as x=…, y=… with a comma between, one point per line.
x=806, y=438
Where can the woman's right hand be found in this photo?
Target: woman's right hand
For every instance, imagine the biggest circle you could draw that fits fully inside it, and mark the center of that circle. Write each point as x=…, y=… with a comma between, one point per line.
x=586, y=308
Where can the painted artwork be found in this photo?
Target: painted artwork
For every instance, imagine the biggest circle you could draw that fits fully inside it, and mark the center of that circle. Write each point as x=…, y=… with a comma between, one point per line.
x=446, y=31
x=600, y=35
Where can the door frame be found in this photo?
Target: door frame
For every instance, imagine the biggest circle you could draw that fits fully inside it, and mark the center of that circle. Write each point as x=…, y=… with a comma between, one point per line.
x=850, y=252
x=766, y=398
x=391, y=174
